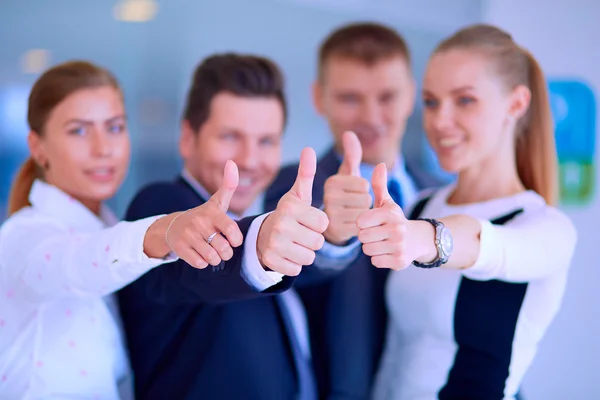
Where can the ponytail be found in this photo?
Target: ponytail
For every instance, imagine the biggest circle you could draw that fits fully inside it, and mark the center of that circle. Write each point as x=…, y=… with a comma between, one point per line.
x=19, y=191
x=537, y=161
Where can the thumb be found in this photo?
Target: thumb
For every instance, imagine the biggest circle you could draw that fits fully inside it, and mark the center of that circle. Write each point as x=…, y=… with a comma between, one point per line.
x=302, y=188
x=230, y=182
x=352, y=154
x=379, y=183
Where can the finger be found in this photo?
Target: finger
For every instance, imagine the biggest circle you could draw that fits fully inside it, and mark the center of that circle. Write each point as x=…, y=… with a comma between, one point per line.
x=207, y=252
x=312, y=218
x=379, y=182
x=222, y=246
x=347, y=184
x=389, y=261
x=279, y=264
x=298, y=254
x=230, y=183
x=302, y=188
x=229, y=228
x=360, y=201
x=345, y=216
x=307, y=238
x=374, y=234
x=191, y=256
x=380, y=248
x=375, y=217
x=352, y=154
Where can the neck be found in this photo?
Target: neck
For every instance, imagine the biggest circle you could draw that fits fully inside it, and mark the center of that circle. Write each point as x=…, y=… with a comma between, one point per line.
x=493, y=180
x=93, y=206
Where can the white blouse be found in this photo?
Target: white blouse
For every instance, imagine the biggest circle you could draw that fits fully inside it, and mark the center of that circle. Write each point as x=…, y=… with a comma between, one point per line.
x=59, y=327
x=433, y=311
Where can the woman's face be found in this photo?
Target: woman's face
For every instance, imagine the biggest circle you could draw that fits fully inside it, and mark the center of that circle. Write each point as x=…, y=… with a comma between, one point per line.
x=85, y=147
x=469, y=113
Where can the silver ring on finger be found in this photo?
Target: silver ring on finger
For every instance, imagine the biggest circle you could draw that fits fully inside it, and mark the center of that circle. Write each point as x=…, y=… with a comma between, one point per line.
x=211, y=237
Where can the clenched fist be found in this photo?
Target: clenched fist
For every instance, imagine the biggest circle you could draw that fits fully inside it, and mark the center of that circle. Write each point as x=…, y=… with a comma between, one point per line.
x=346, y=194
x=289, y=237
x=387, y=236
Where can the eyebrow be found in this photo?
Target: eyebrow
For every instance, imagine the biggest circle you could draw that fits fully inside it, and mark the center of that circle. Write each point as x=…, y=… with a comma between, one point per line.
x=87, y=122
x=455, y=90
x=227, y=129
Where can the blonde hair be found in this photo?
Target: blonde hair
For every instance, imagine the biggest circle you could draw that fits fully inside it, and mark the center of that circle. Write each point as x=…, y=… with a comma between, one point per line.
x=51, y=88
x=537, y=160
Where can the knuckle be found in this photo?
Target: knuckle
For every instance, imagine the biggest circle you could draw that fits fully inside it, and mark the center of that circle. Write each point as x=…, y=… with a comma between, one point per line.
x=268, y=258
x=286, y=207
x=310, y=258
x=295, y=269
x=318, y=242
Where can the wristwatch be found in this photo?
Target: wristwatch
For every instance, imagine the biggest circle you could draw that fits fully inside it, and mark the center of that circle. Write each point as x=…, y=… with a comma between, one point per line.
x=443, y=243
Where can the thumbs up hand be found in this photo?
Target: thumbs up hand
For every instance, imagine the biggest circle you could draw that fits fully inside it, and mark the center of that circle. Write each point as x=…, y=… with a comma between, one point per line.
x=290, y=235
x=384, y=230
x=346, y=194
x=205, y=234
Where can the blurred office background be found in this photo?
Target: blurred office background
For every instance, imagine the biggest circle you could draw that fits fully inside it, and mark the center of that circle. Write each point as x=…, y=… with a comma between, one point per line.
x=153, y=46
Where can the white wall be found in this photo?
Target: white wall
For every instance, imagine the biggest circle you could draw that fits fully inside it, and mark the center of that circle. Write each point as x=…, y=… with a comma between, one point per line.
x=564, y=35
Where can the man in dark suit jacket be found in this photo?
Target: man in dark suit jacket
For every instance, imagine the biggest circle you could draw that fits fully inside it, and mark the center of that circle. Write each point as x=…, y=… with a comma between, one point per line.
x=233, y=330
x=365, y=85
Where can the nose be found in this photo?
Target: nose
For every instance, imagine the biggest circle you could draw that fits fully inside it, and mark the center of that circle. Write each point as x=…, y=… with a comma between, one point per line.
x=101, y=143
x=442, y=118
x=371, y=112
x=248, y=156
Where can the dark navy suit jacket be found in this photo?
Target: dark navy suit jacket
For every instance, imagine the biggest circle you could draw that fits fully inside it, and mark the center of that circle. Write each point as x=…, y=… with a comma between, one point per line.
x=203, y=334
x=347, y=314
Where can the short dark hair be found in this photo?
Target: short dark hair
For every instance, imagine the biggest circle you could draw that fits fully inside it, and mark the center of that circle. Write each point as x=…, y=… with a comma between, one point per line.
x=367, y=42
x=240, y=74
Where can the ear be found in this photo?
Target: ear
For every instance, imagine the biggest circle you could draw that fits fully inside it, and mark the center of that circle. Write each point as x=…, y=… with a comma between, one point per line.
x=186, y=140
x=36, y=148
x=520, y=99
x=317, y=96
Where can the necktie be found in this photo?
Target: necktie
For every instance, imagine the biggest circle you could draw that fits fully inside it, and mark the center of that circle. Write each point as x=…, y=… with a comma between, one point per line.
x=307, y=389
x=395, y=192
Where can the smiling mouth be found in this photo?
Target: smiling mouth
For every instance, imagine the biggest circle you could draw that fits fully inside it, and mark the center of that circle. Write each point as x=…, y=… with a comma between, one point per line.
x=448, y=143
x=103, y=174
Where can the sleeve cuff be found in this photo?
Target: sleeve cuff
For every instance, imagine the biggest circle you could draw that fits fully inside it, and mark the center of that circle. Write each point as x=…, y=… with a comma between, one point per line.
x=483, y=268
x=129, y=247
x=252, y=271
x=331, y=256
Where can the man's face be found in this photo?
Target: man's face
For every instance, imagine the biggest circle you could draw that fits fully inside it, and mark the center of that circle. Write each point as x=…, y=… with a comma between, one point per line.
x=247, y=130
x=374, y=101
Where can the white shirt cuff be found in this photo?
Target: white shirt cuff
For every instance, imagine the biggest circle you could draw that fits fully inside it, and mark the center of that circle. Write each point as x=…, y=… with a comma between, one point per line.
x=252, y=271
x=129, y=249
x=331, y=256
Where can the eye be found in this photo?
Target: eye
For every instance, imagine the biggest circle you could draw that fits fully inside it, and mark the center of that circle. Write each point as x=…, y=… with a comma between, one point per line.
x=116, y=128
x=387, y=98
x=268, y=141
x=430, y=103
x=465, y=100
x=78, y=130
x=349, y=98
x=228, y=136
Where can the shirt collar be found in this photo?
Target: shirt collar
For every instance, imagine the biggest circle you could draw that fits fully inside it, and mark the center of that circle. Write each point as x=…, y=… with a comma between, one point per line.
x=50, y=199
x=255, y=209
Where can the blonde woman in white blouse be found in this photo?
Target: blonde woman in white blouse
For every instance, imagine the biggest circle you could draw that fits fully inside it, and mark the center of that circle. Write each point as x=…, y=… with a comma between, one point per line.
x=491, y=260
x=62, y=251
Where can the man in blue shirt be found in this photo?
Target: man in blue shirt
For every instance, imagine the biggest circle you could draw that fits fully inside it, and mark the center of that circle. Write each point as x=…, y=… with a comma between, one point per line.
x=364, y=85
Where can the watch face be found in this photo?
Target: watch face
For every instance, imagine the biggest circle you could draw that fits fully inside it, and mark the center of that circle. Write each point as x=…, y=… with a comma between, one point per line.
x=446, y=241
